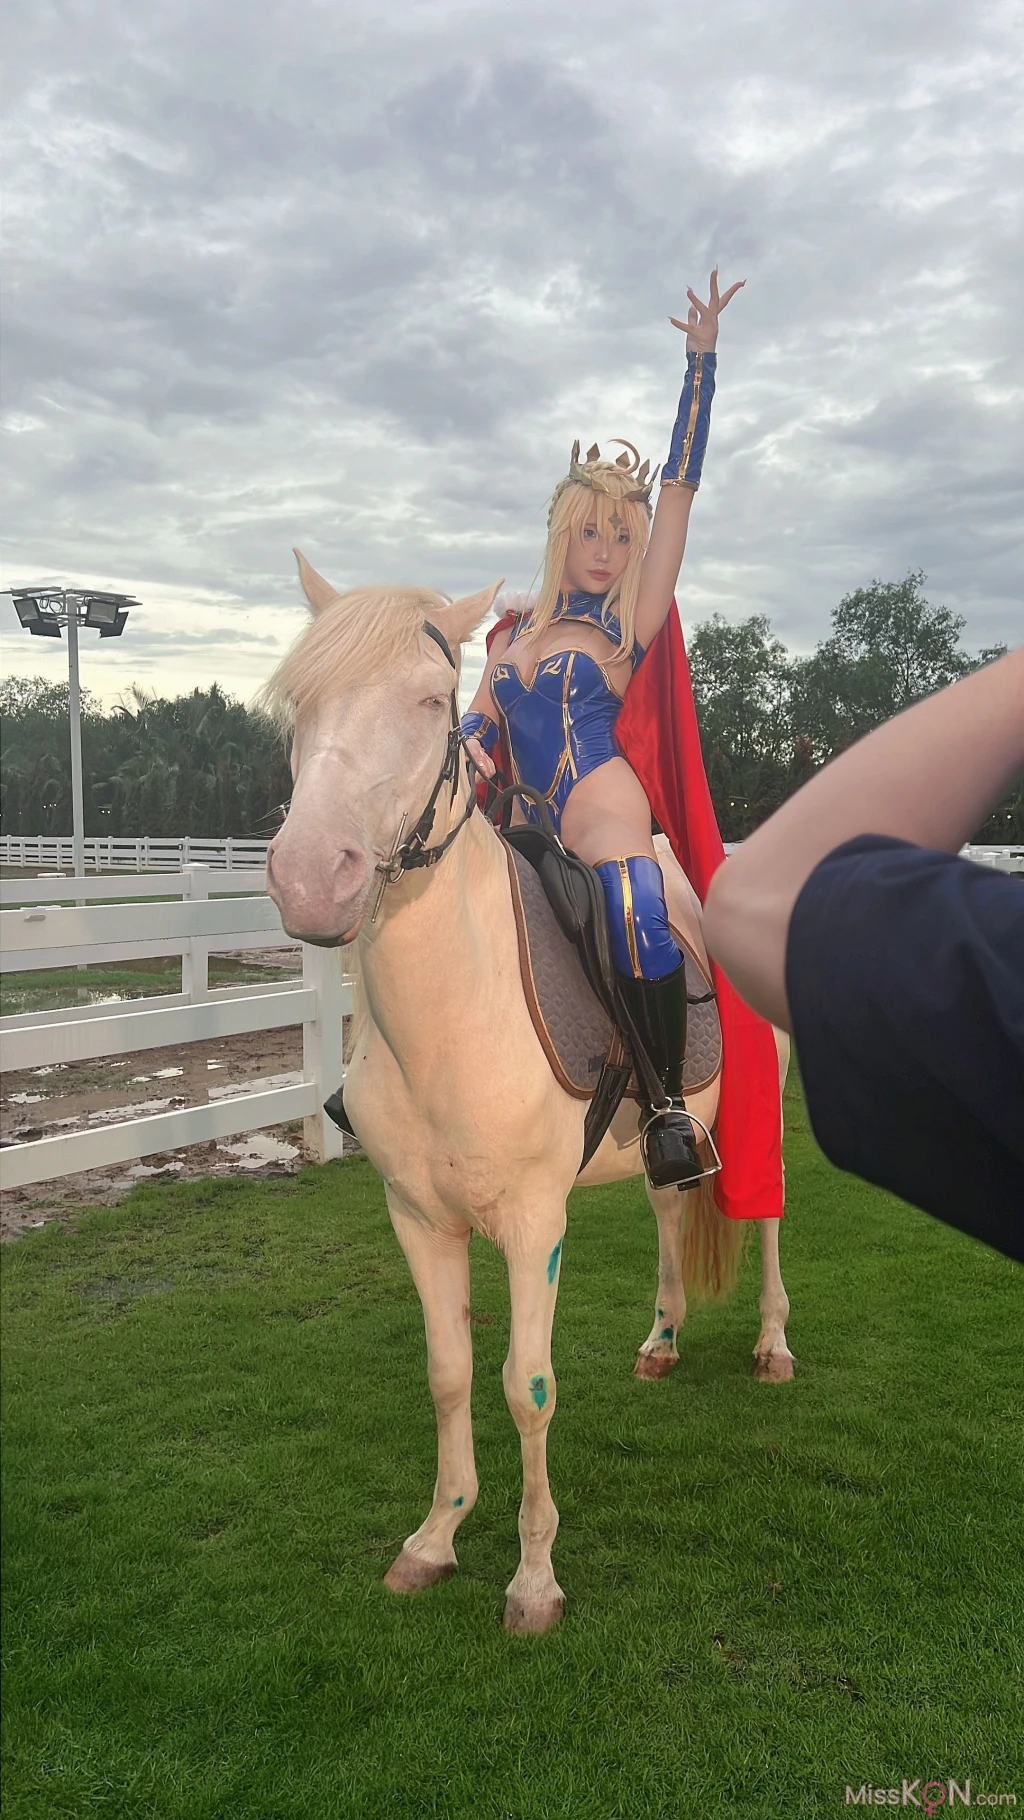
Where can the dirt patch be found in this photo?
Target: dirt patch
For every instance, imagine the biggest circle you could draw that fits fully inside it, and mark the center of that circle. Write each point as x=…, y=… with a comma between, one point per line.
x=79, y=1096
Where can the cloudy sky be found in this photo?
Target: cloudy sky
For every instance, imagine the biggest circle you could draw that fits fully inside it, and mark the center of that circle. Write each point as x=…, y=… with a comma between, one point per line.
x=354, y=276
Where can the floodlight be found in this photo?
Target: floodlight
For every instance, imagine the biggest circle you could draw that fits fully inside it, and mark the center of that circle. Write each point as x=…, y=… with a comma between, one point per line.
x=44, y=611
x=101, y=609
x=27, y=610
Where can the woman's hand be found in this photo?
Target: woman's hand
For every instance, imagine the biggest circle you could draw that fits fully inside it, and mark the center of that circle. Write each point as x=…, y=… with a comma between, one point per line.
x=480, y=757
x=701, y=325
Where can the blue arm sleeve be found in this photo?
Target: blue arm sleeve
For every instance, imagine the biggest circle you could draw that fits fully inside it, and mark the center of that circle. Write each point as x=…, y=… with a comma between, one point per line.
x=481, y=727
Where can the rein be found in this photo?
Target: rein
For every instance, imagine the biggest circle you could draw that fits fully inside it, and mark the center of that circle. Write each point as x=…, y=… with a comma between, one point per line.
x=407, y=855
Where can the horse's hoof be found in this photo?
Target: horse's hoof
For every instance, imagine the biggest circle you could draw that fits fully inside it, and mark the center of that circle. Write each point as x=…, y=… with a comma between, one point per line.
x=654, y=1364
x=532, y=1617
x=773, y=1367
x=411, y=1573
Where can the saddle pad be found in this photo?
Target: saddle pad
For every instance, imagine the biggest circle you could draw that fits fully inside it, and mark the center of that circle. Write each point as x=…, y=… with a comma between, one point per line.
x=574, y=1032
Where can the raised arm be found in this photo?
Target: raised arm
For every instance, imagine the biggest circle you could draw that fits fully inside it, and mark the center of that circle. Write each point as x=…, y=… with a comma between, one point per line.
x=680, y=476
x=929, y=777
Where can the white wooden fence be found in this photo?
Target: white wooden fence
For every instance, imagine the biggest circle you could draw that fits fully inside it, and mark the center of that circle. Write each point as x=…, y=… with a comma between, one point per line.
x=147, y=854
x=37, y=931
x=52, y=852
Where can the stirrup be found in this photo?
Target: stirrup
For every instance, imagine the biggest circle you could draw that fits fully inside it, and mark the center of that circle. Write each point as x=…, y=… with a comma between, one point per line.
x=680, y=1171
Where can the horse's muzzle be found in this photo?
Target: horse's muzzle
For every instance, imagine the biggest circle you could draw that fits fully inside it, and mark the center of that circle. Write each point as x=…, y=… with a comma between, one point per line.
x=319, y=903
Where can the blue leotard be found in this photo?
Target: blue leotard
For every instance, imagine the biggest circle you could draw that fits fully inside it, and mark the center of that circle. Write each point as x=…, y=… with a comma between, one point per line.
x=561, y=726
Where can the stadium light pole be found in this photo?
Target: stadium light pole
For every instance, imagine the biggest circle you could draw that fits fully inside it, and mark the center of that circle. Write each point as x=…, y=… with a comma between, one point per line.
x=43, y=611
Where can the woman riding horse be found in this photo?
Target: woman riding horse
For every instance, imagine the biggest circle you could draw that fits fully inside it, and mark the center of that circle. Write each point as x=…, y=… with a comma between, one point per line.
x=553, y=689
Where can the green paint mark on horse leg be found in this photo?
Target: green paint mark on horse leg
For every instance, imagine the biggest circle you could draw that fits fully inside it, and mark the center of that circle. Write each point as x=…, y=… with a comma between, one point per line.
x=458, y=1503
x=553, y=1262
x=539, y=1389
x=666, y=1333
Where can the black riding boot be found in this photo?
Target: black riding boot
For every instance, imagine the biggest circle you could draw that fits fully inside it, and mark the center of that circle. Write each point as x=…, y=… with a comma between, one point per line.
x=668, y=1143
x=335, y=1110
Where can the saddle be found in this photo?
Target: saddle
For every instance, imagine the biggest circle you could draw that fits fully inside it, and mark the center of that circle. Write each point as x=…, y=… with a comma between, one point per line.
x=571, y=985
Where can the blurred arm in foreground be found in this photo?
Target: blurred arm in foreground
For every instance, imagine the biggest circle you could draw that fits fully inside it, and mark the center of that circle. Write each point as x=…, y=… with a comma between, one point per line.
x=899, y=968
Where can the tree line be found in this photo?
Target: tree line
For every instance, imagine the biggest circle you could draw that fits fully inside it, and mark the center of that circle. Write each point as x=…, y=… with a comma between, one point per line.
x=200, y=764
x=206, y=765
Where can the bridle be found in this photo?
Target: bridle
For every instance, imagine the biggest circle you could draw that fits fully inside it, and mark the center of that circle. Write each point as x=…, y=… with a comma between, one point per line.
x=407, y=855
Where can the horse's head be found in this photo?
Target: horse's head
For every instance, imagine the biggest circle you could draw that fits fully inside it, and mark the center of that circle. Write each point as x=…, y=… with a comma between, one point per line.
x=367, y=695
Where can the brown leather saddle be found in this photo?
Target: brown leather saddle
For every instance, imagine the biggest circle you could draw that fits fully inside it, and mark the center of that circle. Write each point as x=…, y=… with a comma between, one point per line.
x=569, y=982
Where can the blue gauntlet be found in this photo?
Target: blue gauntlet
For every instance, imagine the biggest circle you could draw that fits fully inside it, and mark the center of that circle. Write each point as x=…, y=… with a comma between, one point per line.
x=481, y=727
x=690, y=435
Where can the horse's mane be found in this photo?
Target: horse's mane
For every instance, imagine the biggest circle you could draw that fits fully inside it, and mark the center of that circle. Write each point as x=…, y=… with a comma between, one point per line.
x=355, y=640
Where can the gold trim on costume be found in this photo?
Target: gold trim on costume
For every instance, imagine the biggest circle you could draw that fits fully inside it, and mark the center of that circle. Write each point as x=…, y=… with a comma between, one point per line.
x=691, y=425
x=566, y=731
x=627, y=907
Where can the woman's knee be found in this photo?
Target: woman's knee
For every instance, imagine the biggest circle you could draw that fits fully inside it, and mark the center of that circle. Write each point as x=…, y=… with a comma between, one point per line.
x=643, y=946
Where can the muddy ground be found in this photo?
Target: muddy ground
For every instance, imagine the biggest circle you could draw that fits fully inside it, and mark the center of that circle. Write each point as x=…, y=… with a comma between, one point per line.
x=79, y=1096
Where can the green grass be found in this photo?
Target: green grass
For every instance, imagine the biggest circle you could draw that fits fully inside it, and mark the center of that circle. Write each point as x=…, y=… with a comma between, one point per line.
x=218, y=1431
x=50, y=988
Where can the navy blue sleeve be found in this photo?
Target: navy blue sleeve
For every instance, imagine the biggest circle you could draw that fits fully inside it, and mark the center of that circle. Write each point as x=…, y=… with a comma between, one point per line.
x=905, y=980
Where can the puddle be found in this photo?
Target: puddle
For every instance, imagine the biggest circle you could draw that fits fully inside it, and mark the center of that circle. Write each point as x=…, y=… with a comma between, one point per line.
x=159, y=1074
x=259, y=1149
x=261, y=1085
x=138, y=1170
x=115, y=1114
x=26, y=1099
x=52, y=1068
x=216, y=1064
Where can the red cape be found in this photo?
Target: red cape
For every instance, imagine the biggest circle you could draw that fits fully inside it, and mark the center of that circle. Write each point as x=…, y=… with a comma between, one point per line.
x=657, y=731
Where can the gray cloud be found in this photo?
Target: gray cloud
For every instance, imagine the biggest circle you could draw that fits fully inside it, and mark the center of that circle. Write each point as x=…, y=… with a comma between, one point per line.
x=357, y=279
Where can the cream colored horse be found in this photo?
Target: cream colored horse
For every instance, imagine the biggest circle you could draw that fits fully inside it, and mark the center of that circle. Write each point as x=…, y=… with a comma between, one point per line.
x=448, y=1086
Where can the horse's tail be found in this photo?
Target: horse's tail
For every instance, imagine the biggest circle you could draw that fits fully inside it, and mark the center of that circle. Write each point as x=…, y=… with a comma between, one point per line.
x=712, y=1245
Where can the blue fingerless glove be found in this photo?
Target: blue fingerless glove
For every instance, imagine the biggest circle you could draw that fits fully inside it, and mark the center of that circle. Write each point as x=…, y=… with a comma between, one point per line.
x=690, y=435
x=481, y=727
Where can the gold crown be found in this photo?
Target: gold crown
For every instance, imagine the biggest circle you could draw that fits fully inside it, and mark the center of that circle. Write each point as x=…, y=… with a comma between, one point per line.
x=629, y=464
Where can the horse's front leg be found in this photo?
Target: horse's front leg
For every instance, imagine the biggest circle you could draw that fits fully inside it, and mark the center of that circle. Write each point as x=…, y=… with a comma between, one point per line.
x=773, y=1361
x=658, y=1354
x=535, y=1601
x=439, y=1261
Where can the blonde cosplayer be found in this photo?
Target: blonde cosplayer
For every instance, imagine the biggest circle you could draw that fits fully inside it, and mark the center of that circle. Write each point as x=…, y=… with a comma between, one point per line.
x=551, y=699
x=608, y=495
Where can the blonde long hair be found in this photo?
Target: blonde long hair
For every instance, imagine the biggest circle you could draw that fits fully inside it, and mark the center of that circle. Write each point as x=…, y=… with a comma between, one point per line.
x=575, y=505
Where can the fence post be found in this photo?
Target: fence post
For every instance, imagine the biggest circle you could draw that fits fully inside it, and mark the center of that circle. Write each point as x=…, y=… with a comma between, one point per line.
x=195, y=959
x=322, y=1047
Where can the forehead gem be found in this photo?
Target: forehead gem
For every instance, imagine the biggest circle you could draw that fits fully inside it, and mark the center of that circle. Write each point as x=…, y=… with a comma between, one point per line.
x=615, y=521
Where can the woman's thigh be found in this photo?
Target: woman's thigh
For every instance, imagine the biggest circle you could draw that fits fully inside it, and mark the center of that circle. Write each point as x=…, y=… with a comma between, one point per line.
x=607, y=815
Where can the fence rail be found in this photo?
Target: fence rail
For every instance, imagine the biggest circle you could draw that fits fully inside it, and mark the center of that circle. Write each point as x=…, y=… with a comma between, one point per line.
x=38, y=932
x=146, y=854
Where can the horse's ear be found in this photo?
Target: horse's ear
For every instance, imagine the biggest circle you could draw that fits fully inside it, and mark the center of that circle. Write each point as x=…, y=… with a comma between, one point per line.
x=463, y=616
x=318, y=592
